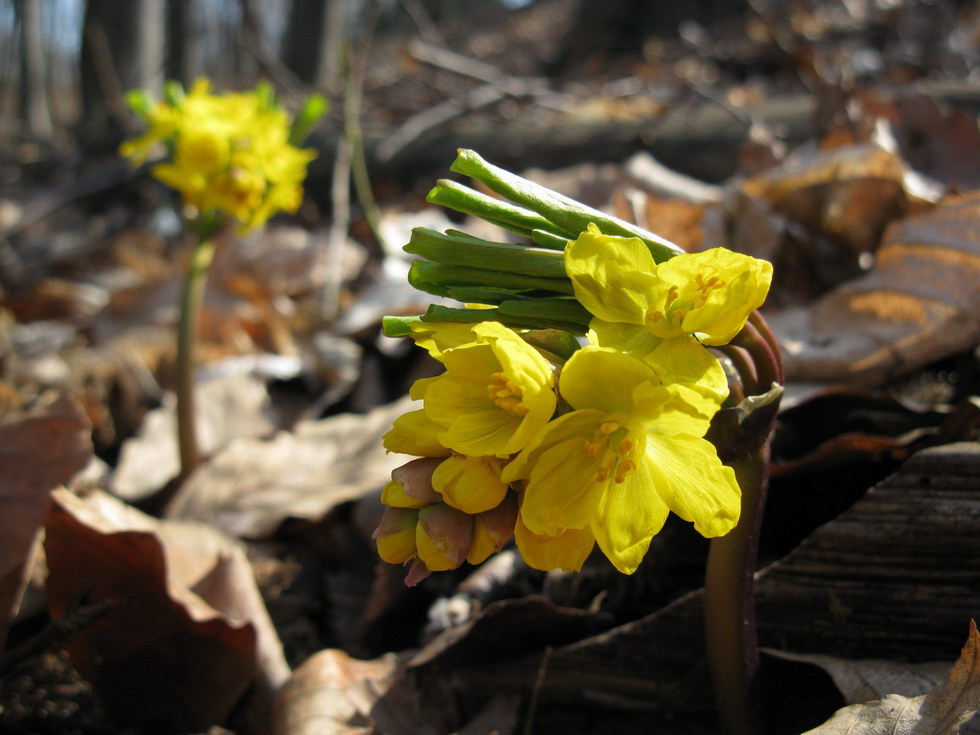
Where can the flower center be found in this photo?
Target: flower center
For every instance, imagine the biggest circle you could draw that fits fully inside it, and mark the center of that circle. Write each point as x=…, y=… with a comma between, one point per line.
x=669, y=321
x=611, y=442
x=506, y=394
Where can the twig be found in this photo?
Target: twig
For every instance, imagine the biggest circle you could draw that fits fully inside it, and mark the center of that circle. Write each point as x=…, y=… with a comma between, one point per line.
x=78, y=617
x=532, y=705
x=428, y=29
x=352, y=126
x=268, y=61
x=330, y=255
x=484, y=96
x=451, y=61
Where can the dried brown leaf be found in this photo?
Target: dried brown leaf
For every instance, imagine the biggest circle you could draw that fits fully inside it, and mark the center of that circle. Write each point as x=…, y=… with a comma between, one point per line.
x=849, y=193
x=918, y=304
x=38, y=452
x=250, y=487
x=332, y=694
x=187, y=631
x=940, y=712
x=864, y=680
x=229, y=406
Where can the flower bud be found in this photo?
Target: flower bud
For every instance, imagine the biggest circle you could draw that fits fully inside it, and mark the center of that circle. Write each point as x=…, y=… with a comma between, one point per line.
x=471, y=484
x=411, y=484
x=443, y=536
x=395, y=535
x=492, y=529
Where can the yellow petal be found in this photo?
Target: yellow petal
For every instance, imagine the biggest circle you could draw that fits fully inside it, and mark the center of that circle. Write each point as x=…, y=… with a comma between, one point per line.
x=393, y=494
x=610, y=275
x=567, y=550
x=694, y=484
x=414, y=433
x=562, y=490
x=684, y=360
x=603, y=379
x=629, y=515
x=492, y=529
x=395, y=535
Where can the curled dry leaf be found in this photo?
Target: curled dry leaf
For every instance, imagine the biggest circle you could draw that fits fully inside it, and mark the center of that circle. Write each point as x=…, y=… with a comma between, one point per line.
x=919, y=303
x=940, y=712
x=331, y=694
x=250, y=487
x=849, y=193
x=864, y=680
x=186, y=632
x=38, y=452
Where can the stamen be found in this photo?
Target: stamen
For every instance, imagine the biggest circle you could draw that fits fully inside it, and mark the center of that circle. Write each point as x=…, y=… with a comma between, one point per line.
x=506, y=394
x=623, y=469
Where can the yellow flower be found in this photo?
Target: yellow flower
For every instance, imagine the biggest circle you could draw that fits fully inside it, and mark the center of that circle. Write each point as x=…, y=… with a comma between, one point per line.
x=631, y=451
x=495, y=396
x=665, y=312
x=231, y=154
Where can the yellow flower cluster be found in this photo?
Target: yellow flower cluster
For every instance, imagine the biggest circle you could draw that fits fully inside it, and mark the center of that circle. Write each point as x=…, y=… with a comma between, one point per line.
x=227, y=153
x=595, y=450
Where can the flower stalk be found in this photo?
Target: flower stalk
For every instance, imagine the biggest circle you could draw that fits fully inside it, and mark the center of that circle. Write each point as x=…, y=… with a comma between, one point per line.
x=742, y=435
x=191, y=299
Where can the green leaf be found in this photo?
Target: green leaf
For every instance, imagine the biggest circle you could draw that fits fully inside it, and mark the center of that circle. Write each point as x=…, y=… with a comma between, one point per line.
x=566, y=214
x=461, y=275
x=469, y=201
x=470, y=251
x=564, y=310
x=438, y=313
x=552, y=342
x=314, y=108
x=139, y=101
x=173, y=93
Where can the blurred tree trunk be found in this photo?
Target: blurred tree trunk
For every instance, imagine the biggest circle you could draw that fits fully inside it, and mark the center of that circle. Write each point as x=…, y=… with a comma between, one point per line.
x=183, y=50
x=312, y=43
x=606, y=28
x=122, y=49
x=34, y=109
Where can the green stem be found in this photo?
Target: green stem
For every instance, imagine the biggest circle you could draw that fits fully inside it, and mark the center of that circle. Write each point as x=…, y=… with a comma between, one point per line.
x=190, y=308
x=729, y=611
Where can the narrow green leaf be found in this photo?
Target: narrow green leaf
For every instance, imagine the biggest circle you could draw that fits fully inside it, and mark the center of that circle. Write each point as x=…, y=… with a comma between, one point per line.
x=438, y=313
x=567, y=214
x=469, y=201
x=314, y=108
x=549, y=240
x=140, y=101
x=173, y=93
x=552, y=342
x=477, y=295
x=476, y=253
x=564, y=310
x=398, y=326
x=461, y=275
